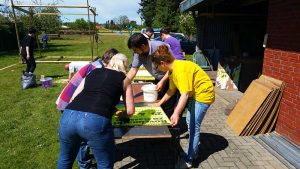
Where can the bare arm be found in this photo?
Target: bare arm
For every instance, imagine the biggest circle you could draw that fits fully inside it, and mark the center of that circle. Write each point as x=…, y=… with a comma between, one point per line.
x=128, y=99
x=166, y=97
x=179, y=108
x=78, y=90
x=162, y=82
x=27, y=51
x=70, y=76
x=131, y=74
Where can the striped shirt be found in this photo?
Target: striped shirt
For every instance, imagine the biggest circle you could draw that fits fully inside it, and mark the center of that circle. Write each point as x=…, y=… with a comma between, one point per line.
x=65, y=96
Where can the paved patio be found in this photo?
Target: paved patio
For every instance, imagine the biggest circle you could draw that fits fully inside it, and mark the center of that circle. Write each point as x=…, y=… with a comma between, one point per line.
x=219, y=147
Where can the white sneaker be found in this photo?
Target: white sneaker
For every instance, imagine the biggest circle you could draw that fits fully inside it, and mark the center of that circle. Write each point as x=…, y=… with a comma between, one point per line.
x=188, y=164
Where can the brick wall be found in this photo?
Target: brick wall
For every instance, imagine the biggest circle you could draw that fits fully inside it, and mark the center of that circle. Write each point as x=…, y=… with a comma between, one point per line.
x=282, y=61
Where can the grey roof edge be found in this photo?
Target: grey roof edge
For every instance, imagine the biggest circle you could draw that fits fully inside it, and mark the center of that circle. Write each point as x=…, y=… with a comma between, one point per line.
x=187, y=4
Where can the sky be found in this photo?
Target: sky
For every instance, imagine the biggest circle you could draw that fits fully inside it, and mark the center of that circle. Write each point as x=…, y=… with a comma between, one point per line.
x=106, y=9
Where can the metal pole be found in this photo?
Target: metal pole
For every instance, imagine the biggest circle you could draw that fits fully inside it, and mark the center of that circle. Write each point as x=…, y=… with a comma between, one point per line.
x=16, y=28
x=88, y=9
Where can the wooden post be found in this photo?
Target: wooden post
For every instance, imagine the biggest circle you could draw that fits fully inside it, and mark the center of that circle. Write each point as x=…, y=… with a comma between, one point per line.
x=16, y=28
x=19, y=7
x=88, y=9
x=95, y=34
x=54, y=6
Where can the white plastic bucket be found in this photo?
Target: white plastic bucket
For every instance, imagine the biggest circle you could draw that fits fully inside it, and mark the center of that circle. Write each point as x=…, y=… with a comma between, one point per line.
x=149, y=93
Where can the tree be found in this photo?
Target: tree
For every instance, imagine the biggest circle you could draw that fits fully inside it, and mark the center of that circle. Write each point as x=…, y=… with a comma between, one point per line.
x=80, y=24
x=107, y=24
x=7, y=34
x=123, y=21
x=160, y=13
x=167, y=14
x=112, y=25
x=147, y=11
x=187, y=24
x=50, y=23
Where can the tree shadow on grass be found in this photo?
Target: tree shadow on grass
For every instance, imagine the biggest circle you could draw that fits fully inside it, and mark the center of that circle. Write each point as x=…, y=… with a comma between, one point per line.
x=56, y=76
x=54, y=48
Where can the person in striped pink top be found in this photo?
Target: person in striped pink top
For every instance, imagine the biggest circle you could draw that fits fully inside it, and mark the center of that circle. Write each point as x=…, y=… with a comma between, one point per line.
x=65, y=96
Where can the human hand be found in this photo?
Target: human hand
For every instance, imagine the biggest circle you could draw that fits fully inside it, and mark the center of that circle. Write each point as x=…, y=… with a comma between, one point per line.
x=122, y=115
x=174, y=119
x=159, y=86
x=27, y=57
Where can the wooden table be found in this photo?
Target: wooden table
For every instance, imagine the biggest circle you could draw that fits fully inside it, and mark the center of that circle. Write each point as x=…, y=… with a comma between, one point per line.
x=141, y=131
x=212, y=74
x=143, y=75
x=148, y=132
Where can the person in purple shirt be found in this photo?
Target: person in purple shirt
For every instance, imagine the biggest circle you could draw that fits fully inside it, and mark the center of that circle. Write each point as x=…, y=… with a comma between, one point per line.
x=173, y=43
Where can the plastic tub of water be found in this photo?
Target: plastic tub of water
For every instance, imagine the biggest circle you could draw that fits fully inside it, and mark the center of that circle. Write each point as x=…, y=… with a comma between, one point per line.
x=149, y=93
x=46, y=82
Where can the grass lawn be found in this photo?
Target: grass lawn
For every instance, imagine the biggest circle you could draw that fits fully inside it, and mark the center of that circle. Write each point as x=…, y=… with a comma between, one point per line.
x=28, y=118
x=77, y=45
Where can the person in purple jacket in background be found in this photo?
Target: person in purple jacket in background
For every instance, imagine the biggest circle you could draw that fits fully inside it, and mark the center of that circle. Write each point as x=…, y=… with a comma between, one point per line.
x=173, y=43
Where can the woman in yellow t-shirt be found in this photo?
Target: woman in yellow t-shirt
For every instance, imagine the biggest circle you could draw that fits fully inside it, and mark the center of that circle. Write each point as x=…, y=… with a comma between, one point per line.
x=195, y=88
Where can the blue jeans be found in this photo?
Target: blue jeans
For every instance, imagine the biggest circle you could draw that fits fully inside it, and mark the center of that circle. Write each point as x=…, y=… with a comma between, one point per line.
x=195, y=114
x=76, y=127
x=44, y=44
x=83, y=157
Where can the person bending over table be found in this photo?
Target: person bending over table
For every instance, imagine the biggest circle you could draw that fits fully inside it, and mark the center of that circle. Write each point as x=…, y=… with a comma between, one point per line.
x=88, y=117
x=74, y=66
x=66, y=94
x=83, y=157
x=143, y=52
x=195, y=88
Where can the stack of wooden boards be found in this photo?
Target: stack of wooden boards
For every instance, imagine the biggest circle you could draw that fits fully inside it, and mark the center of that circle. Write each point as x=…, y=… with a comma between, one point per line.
x=257, y=110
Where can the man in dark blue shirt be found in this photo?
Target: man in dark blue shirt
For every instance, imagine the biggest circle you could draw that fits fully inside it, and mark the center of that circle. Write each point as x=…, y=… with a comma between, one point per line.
x=26, y=50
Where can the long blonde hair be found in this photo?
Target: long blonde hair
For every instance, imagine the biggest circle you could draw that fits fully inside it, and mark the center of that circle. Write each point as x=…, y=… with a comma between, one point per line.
x=119, y=62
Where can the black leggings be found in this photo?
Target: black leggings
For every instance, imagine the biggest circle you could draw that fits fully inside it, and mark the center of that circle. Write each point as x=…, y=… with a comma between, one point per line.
x=31, y=65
